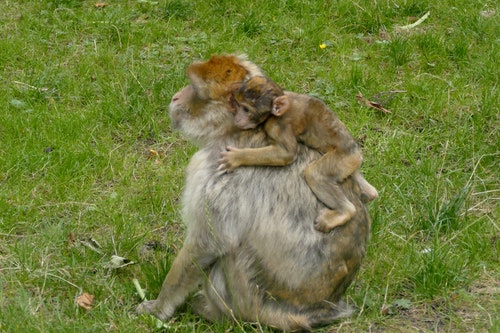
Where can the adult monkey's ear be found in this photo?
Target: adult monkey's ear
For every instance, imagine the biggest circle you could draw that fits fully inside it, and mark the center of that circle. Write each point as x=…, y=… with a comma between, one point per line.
x=281, y=105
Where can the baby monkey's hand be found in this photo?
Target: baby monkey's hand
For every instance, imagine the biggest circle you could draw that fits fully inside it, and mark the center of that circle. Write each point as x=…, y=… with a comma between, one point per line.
x=229, y=160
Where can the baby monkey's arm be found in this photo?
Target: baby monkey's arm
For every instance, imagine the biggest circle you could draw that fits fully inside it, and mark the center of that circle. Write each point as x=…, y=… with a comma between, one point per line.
x=280, y=152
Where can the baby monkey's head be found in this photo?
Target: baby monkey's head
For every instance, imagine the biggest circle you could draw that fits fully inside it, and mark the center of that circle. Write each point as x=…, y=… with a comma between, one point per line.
x=253, y=101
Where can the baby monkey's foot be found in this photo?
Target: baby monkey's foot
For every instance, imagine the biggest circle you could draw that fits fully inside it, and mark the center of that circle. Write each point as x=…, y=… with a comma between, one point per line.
x=328, y=219
x=368, y=191
x=369, y=194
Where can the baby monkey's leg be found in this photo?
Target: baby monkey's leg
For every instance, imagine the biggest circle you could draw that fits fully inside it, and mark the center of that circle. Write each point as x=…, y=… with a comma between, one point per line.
x=324, y=177
x=368, y=191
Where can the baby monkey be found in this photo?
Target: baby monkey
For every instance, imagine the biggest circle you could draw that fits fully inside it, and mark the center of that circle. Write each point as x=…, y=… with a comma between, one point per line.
x=289, y=118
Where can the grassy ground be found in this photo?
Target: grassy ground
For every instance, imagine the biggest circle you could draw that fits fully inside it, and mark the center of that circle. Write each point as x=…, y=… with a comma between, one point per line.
x=87, y=153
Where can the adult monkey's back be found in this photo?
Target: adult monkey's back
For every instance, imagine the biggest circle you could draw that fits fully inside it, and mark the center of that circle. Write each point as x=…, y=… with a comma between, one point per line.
x=250, y=236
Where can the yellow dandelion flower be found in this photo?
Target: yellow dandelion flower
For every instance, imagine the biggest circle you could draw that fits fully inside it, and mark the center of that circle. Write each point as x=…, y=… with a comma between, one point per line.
x=322, y=46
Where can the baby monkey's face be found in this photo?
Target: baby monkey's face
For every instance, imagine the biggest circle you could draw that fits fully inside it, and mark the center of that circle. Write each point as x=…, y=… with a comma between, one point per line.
x=253, y=101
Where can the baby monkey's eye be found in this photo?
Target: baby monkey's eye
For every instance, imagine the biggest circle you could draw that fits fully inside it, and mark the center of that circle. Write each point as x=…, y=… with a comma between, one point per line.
x=246, y=109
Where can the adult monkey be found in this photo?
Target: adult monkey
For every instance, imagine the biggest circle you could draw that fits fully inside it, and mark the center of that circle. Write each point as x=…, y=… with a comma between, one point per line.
x=250, y=238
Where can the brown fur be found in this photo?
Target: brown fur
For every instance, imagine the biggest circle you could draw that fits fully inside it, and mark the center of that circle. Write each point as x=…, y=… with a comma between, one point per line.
x=288, y=118
x=250, y=243
x=217, y=83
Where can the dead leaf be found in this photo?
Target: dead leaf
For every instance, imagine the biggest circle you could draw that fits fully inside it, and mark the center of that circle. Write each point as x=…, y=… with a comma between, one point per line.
x=118, y=262
x=413, y=25
x=142, y=19
x=71, y=239
x=375, y=105
x=91, y=244
x=488, y=13
x=384, y=35
x=85, y=301
x=486, y=290
x=385, y=310
x=153, y=153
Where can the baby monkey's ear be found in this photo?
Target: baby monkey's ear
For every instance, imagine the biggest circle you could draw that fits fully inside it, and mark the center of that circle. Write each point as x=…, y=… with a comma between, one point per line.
x=281, y=105
x=233, y=89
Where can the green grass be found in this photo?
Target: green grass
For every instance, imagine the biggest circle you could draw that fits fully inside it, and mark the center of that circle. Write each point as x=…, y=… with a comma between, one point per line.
x=84, y=108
